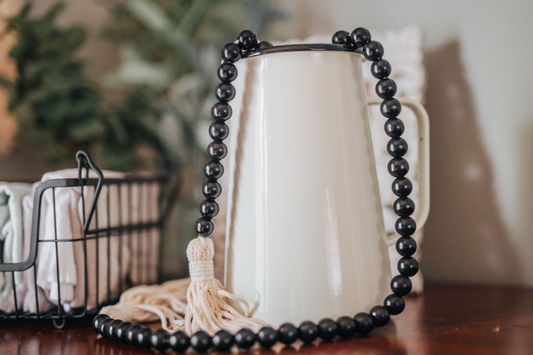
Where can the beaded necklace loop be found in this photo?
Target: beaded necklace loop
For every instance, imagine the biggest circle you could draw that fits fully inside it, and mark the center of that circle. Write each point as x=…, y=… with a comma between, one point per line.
x=358, y=41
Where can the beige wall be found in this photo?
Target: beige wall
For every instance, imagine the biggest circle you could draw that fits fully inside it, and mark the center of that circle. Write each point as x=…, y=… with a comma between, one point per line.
x=480, y=82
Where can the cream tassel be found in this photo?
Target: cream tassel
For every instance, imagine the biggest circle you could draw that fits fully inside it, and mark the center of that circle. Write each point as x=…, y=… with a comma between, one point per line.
x=166, y=302
x=207, y=301
x=201, y=299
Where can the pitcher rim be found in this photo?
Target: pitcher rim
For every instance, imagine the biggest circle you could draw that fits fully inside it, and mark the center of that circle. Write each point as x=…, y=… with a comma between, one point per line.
x=302, y=47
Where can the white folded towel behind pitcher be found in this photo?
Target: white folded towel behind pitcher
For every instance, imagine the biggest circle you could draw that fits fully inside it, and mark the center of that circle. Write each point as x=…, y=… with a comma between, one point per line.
x=12, y=235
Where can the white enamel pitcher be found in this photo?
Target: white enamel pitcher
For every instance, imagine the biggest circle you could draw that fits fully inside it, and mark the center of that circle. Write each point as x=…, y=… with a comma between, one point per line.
x=304, y=236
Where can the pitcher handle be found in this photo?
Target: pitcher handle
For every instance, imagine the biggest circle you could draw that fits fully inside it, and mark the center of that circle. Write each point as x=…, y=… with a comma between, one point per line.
x=422, y=209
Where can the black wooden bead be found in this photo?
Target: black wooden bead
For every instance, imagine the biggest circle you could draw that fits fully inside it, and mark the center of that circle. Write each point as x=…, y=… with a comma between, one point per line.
x=394, y=127
x=221, y=111
x=408, y=266
x=179, y=341
x=380, y=316
x=267, y=337
x=103, y=325
x=341, y=37
x=363, y=323
x=386, y=88
x=288, y=333
x=144, y=338
x=381, y=69
x=218, y=131
x=227, y=72
x=204, y=227
x=398, y=167
x=397, y=147
x=217, y=150
x=225, y=92
x=403, y=207
x=346, y=326
x=328, y=329
x=402, y=187
x=373, y=50
x=97, y=320
x=132, y=332
x=401, y=285
x=308, y=331
x=112, y=328
x=209, y=208
x=265, y=45
x=211, y=189
x=120, y=333
x=231, y=52
x=201, y=341
x=160, y=340
x=247, y=40
x=245, y=338
x=213, y=170
x=390, y=108
x=394, y=304
x=223, y=340
x=405, y=226
x=406, y=246
x=360, y=37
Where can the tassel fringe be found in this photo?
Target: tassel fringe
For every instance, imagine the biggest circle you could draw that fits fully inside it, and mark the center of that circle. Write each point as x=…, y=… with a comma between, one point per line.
x=166, y=302
x=207, y=301
x=198, y=303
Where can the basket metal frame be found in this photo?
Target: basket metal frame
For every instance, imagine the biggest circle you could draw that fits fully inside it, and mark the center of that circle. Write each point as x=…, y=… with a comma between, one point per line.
x=85, y=163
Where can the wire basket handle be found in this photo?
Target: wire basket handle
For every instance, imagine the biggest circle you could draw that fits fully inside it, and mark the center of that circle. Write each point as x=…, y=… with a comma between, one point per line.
x=85, y=162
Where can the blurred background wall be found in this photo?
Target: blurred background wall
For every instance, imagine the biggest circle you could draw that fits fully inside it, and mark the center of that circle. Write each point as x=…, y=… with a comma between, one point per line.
x=480, y=82
x=99, y=55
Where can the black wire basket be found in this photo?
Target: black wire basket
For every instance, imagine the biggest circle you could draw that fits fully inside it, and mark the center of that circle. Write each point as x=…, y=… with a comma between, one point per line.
x=118, y=245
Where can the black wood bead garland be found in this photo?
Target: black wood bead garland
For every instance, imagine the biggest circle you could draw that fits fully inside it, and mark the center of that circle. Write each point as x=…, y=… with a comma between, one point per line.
x=308, y=332
x=223, y=340
x=362, y=323
x=267, y=337
x=346, y=326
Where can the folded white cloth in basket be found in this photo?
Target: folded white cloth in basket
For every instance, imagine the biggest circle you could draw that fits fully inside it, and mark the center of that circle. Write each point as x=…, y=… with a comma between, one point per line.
x=34, y=295
x=12, y=234
x=63, y=278
x=92, y=271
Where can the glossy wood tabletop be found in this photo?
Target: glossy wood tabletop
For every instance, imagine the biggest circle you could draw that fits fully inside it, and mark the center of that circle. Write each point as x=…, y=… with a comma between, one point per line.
x=445, y=320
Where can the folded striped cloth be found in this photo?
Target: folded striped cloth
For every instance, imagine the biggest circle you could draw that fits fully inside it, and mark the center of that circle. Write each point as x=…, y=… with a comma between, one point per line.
x=12, y=235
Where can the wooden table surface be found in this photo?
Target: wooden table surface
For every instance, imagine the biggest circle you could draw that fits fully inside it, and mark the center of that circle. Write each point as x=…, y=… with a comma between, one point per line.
x=445, y=320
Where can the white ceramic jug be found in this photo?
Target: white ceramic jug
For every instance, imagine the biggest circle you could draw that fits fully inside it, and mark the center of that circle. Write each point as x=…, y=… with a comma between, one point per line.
x=304, y=236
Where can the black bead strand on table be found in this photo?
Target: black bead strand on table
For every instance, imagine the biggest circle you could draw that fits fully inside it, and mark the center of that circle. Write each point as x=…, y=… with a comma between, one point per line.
x=362, y=323
x=245, y=338
x=347, y=326
x=223, y=340
x=179, y=341
x=267, y=337
x=394, y=304
x=201, y=341
x=160, y=340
